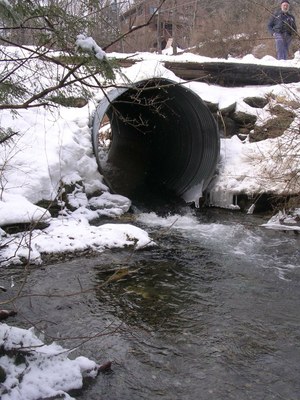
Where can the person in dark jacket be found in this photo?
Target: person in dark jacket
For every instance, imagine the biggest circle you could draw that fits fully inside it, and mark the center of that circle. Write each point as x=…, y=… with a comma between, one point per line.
x=282, y=26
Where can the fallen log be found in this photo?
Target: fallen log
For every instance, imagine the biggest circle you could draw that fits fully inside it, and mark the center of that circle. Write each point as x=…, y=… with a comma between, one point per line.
x=235, y=74
x=228, y=74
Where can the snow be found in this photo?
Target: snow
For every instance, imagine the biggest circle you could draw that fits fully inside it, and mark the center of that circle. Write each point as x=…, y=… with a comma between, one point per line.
x=189, y=57
x=46, y=370
x=284, y=222
x=69, y=235
x=89, y=44
x=28, y=211
x=53, y=149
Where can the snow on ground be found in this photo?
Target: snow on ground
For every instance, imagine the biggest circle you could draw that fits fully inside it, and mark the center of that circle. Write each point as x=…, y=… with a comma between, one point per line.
x=54, y=149
x=70, y=235
x=41, y=371
x=167, y=55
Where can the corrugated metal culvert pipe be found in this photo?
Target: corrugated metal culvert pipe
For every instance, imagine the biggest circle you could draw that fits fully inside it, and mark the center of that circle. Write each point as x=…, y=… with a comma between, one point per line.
x=155, y=135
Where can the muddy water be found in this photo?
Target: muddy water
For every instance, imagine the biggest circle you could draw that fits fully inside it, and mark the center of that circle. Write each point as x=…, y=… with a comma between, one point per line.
x=213, y=312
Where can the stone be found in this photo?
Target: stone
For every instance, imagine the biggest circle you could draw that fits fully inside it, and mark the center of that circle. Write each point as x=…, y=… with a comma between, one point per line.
x=256, y=102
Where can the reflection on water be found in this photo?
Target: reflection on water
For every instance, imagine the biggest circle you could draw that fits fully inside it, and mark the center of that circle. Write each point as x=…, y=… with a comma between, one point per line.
x=212, y=312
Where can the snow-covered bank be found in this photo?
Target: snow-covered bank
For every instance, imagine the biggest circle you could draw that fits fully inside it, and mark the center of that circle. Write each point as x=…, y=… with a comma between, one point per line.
x=283, y=221
x=34, y=370
x=53, y=150
x=67, y=236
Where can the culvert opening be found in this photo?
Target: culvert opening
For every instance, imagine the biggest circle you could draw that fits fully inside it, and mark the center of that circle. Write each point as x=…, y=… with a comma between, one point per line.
x=155, y=136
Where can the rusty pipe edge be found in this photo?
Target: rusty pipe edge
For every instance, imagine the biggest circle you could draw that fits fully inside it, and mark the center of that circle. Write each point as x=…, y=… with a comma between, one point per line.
x=155, y=135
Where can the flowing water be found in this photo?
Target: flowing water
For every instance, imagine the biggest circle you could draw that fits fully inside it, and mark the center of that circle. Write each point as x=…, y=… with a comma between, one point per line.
x=212, y=312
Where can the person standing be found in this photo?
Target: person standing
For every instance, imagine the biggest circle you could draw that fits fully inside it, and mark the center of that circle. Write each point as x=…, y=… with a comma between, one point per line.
x=282, y=26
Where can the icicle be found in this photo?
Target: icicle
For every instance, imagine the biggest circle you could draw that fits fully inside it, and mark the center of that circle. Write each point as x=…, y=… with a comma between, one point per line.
x=194, y=194
x=251, y=209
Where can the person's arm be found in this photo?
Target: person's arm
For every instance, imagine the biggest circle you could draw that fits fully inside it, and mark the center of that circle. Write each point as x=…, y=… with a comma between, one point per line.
x=271, y=25
x=294, y=25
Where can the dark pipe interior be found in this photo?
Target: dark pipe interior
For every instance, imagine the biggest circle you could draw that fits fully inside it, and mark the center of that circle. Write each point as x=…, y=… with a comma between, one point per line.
x=163, y=137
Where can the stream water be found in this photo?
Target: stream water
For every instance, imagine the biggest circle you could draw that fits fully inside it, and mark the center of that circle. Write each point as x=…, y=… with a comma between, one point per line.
x=212, y=312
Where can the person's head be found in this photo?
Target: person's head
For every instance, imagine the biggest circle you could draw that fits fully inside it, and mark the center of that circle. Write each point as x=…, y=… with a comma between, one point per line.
x=285, y=5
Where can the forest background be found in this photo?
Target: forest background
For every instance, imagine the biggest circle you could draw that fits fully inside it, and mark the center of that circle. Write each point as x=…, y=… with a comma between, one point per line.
x=215, y=28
